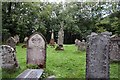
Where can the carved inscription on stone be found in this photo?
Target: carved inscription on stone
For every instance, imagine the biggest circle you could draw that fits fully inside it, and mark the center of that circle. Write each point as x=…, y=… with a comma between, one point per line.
x=36, y=50
x=97, y=59
x=9, y=60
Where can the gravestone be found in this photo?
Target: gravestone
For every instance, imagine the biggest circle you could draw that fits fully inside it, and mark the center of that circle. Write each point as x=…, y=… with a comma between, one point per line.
x=36, y=50
x=30, y=74
x=97, y=56
x=11, y=42
x=16, y=37
x=81, y=45
x=8, y=55
x=115, y=49
x=76, y=42
x=52, y=43
x=60, y=39
x=25, y=42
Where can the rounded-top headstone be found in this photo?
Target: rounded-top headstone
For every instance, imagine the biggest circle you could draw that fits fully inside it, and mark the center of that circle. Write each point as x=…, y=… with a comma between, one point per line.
x=36, y=50
x=97, y=56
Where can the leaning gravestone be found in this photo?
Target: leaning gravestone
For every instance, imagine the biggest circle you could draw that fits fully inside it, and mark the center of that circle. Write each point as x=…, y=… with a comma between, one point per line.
x=97, y=57
x=11, y=42
x=8, y=55
x=36, y=50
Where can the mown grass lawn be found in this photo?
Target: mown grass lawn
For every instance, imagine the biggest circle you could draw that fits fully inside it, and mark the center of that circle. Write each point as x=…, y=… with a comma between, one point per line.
x=69, y=63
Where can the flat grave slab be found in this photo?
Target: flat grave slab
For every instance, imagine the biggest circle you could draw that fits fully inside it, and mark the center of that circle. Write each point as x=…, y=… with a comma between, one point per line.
x=31, y=73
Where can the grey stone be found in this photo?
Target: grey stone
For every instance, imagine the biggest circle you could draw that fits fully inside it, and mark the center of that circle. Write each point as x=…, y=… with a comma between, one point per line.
x=30, y=74
x=93, y=34
x=60, y=36
x=76, y=42
x=11, y=42
x=51, y=77
x=115, y=49
x=8, y=55
x=80, y=45
x=107, y=33
x=36, y=50
x=97, y=59
x=60, y=39
x=16, y=37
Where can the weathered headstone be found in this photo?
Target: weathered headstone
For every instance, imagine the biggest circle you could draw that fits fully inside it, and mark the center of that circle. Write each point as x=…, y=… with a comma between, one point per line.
x=16, y=37
x=60, y=39
x=52, y=43
x=115, y=49
x=81, y=45
x=76, y=42
x=97, y=57
x=36, y=50
x=25, y=42
x=8, y=55
x=11, y=42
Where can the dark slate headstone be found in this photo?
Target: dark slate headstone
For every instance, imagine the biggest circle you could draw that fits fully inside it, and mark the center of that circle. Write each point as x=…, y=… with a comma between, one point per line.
x=36, y=50
x=11, y=42
x=97, y=56
x=8, y=55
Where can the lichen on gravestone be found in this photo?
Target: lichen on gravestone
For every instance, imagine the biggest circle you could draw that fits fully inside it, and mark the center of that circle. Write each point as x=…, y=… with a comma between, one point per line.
x=97, y=59
x=8, y=56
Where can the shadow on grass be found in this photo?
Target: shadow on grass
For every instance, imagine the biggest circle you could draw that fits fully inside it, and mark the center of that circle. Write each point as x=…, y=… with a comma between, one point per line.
x=114, y=62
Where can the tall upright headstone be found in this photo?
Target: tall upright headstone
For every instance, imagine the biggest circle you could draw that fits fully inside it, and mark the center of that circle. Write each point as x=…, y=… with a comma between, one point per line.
x=8, y=55
x=60, y=39
x=11, y=42
x=97, y=57
x=36, y=50
x=52, y=43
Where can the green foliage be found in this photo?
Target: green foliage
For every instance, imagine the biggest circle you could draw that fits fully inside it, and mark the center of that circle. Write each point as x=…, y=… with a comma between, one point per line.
x=78, y=19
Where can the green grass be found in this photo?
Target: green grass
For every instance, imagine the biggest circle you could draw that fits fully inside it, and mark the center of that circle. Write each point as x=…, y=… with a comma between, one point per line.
x=69, y=63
